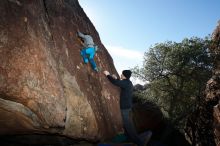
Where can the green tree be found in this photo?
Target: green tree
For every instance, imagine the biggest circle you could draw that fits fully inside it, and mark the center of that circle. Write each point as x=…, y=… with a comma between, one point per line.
x=176, y=74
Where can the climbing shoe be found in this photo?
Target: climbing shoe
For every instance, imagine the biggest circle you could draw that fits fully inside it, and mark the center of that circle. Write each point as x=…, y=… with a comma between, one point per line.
x=86, y=60
x=96, y=69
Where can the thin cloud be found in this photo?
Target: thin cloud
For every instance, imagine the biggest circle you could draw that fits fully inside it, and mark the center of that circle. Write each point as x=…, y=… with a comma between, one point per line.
x=125, y=53
x=126, y=59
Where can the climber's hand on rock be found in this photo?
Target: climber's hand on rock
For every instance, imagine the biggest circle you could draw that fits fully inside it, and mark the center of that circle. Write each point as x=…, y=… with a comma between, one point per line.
x=77, y=33
x=106, y=72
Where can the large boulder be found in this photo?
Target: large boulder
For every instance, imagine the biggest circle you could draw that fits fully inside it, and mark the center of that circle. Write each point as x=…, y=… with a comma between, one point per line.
x=44, y=85
x=148, y=116
x=203, y=126
x=213, y=86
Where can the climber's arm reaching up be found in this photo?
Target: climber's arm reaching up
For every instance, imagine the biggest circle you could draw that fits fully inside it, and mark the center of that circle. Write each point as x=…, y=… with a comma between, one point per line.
x=81, y=35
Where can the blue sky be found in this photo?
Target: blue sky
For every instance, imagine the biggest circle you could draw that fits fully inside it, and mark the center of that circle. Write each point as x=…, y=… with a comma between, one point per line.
x=127, y=28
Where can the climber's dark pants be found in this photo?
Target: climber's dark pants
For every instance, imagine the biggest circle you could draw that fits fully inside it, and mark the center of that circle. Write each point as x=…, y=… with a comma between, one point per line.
x=129, y=127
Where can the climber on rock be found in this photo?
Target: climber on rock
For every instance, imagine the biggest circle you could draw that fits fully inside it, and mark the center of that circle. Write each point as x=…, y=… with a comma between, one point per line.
x=89, y=50
x=126, y=106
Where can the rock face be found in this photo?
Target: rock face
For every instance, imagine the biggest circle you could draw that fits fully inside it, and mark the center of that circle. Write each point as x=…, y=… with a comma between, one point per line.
x=148, y=116
x=44, y=85
x=213, y=89
x=203, y=126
